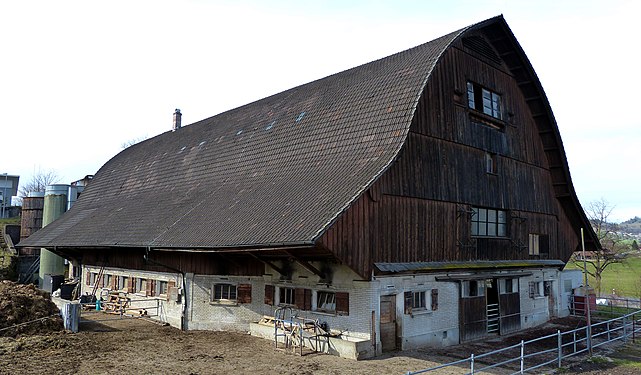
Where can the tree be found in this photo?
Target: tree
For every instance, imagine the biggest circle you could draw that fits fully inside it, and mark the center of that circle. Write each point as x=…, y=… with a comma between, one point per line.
x=613, y=250
x=38, y=182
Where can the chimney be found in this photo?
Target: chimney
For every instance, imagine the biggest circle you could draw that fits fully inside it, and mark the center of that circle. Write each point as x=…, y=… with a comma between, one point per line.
x=177, y=116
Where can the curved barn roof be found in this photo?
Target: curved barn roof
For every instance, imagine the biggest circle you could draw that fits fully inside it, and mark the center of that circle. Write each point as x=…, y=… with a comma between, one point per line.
x=274, y=172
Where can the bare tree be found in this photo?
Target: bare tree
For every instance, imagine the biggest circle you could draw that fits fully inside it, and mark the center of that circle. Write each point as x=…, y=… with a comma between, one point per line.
x=38, y=182
x=613, y=249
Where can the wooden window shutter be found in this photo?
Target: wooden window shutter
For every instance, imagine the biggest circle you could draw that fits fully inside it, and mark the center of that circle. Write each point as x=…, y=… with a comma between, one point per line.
x=544, y=244
x=408, y=296
x=88, y=281
x=132, y=285
x=303, y=298
x=531, y=286
x=434, y=299
x=269, y=295
x=342, y=303
x=112, y=284
x=150, y=287
x=308, y=299
x=244, y=293
x=299, y=298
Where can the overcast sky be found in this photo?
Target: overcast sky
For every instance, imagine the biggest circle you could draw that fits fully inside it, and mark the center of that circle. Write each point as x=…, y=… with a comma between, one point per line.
x=80, y=78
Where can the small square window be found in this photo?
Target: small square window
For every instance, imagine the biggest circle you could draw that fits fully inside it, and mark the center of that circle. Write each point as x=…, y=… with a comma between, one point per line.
x=490, y=163
x=418, y=300
x=326, y=301
x=223, y=292
x=287, y=296
x=484, y=100
x=161, y=287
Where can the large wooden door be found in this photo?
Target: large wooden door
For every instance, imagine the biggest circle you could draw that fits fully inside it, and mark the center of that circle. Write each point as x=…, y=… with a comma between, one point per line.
x=388, y=323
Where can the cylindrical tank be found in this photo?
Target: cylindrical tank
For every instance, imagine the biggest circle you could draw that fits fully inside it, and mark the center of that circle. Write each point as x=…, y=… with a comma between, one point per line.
x=31, y=220
x=55, y=204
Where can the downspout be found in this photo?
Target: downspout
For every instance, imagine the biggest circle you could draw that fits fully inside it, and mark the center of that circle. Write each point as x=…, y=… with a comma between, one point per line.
x=183, y=313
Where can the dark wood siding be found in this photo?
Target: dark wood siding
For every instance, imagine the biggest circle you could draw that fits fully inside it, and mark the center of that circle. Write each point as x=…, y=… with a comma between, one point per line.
x=198, y=263
x=419, y=209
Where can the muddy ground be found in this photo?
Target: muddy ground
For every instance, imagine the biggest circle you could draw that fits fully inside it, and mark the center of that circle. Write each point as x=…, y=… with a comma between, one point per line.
x=142, y=347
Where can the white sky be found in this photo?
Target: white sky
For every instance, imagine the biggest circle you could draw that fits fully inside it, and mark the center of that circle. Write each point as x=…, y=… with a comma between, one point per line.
x=80, y=78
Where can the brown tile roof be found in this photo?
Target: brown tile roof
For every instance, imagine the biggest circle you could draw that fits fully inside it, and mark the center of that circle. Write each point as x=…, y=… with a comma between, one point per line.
x=274, y=172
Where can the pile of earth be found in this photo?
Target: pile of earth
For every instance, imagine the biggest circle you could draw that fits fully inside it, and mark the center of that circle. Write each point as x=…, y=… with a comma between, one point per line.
x=26, y=303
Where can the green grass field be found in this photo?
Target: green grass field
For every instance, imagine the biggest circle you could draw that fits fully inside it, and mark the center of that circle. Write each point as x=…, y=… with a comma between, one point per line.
x=625, y=278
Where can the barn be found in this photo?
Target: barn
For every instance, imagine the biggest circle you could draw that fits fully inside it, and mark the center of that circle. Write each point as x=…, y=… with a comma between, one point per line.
x=423, y=199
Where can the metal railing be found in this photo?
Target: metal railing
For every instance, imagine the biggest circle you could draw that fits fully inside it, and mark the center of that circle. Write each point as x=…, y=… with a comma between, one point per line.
x=558, y=346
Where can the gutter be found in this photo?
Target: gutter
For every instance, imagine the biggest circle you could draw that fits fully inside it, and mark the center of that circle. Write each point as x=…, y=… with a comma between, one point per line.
x=183, y=313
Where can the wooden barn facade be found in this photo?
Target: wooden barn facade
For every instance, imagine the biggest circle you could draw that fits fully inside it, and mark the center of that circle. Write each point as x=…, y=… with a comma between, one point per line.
x=420, y=199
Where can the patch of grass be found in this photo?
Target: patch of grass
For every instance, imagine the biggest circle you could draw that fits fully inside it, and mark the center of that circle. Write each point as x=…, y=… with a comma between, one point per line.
x=624, y=278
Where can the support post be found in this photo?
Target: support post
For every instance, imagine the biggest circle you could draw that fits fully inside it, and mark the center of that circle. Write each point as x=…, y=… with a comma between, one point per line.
x=559, y=341
x=522, y=357
x=472, y=364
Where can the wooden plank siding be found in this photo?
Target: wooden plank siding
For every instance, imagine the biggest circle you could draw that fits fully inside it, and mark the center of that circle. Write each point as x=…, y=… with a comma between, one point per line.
x=198, y=263
x=419, y=209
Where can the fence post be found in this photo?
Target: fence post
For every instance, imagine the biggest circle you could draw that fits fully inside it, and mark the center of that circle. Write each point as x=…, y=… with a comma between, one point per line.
x=574, y=340
x=607, y=326
x=472, y=364
x=634, y=329
x=588, y=337
x=625, y=331
x=560, y=345
x=522, y=354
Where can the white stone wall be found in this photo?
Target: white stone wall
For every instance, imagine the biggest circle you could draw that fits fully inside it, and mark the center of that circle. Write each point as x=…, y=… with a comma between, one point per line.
x=569, y=280
x=426, y=327
x=206, y=315
x=158, y=307
x=538, y=310
x=363, y=300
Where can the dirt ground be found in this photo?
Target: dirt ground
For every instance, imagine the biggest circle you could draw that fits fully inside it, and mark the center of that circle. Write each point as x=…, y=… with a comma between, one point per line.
x=142, y=347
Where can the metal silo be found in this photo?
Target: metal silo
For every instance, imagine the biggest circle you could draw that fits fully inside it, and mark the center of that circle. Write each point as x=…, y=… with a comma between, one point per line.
x=55, y=204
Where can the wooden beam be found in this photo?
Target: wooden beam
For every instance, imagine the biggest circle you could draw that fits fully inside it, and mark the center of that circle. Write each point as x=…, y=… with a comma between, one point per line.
x=306, y=265
x=272, y=265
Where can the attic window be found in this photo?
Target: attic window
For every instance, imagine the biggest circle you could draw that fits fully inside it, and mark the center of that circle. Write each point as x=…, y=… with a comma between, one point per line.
x=482, y=48
x=484, y=100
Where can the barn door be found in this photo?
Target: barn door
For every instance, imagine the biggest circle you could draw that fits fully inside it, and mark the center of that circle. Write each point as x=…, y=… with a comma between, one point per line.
x=388, y=323
x=510, y=305
x=472, y=310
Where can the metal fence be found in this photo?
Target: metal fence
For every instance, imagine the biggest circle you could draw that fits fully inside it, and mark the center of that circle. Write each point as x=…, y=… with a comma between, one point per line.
x=528, y=355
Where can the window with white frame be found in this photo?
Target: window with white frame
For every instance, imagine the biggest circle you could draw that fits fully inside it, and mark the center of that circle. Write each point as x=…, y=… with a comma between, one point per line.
x=484, y=100
x=142, y=286
x=326, y=301
x=287, y=296
x=488, y=222
x=161, y=287
x=507, y=286
x=419, y=300
x=472, y=288
x=490, y=163
x=223, y=293
x=536, y=289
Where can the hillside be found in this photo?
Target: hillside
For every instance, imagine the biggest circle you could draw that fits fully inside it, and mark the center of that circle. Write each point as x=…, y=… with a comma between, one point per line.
x=631, y=226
